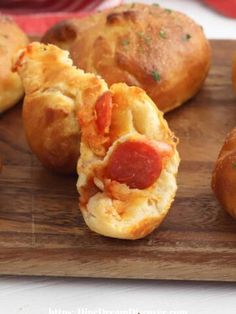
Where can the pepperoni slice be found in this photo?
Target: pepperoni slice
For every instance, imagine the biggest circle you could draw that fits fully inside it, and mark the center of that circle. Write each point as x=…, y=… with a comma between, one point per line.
x=103, y=109
x=135, y=163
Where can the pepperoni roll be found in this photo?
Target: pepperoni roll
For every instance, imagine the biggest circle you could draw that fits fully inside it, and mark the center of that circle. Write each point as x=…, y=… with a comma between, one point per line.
x=128, y=158
x=12, y=39
x=54, y=90
x=128, y=164
x=224, y=175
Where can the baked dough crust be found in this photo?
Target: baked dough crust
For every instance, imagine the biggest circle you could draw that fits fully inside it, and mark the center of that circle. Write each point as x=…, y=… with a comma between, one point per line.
x=224, y=175
x=54, y=90
x=162, y=51
x=58, y=98
x=111, y=208
x=12, y=38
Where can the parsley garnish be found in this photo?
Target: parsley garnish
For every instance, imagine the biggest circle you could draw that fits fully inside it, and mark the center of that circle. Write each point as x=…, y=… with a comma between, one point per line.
x=156, y=4
x=156, y=76
x=186, y=37
x=145, y=37
x=234, y=165
x=125, y=42
x=141, y=50
x=168, y=10
x=162, y=33
x=147, y=40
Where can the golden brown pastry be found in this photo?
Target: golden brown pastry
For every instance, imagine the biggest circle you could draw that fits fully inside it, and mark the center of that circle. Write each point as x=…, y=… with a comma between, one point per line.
x=162, y=51
x=12, y=38
x=64, y=33
x=128, y=164
x=224, y=175
x=54, y=89
x=128, y=158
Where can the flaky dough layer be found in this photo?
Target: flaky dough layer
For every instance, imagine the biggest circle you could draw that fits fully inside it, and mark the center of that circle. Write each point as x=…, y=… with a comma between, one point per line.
x=54, y=90
x=112, y=208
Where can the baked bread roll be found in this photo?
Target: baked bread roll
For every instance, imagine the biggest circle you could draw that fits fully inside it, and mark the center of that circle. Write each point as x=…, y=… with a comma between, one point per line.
x=162, y=51
x=128, y=164
x=54, y=90
x=224, y=175
x=12, y=38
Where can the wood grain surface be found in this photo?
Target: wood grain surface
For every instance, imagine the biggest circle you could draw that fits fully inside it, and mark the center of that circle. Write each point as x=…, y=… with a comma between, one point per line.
x=42, y=231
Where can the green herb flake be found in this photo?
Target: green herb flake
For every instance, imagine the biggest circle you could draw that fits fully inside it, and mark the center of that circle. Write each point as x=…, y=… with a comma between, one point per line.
x=145, y=37
x=162, y=34
x=141, y=34
x=156, y=4
x=141, y=50
x=125, y=42
x=234, y=165
x=168, y=10
x=186, y=37
x=147, y=40
x=156, y=76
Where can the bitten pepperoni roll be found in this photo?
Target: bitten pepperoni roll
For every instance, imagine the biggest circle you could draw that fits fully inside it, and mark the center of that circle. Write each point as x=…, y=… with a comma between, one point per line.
x=128, y=164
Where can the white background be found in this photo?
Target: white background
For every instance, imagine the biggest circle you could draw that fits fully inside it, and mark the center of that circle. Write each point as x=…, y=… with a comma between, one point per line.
x=39, y=295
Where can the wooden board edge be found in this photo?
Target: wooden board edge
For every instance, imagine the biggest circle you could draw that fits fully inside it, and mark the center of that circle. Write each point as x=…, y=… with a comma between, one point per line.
x=81, y=263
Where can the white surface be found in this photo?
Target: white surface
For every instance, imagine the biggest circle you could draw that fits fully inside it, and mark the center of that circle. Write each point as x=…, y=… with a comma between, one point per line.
x=77, y=296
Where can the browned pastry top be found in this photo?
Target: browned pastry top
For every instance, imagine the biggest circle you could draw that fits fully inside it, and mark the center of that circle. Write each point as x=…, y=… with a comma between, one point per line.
x=224, y=174
x=162, y=51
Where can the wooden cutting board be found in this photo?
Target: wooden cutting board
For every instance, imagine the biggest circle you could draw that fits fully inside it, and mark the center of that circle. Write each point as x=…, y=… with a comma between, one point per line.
x=42, y=231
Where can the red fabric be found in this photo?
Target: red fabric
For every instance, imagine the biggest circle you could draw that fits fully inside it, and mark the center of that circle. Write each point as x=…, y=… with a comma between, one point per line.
x=39, y=6
x=37, y=24
x=225, y=7
x=36, y=16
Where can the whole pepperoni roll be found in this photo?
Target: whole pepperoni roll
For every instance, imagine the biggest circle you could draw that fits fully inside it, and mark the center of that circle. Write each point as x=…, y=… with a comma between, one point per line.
x=224, y=173
x=160, y=50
